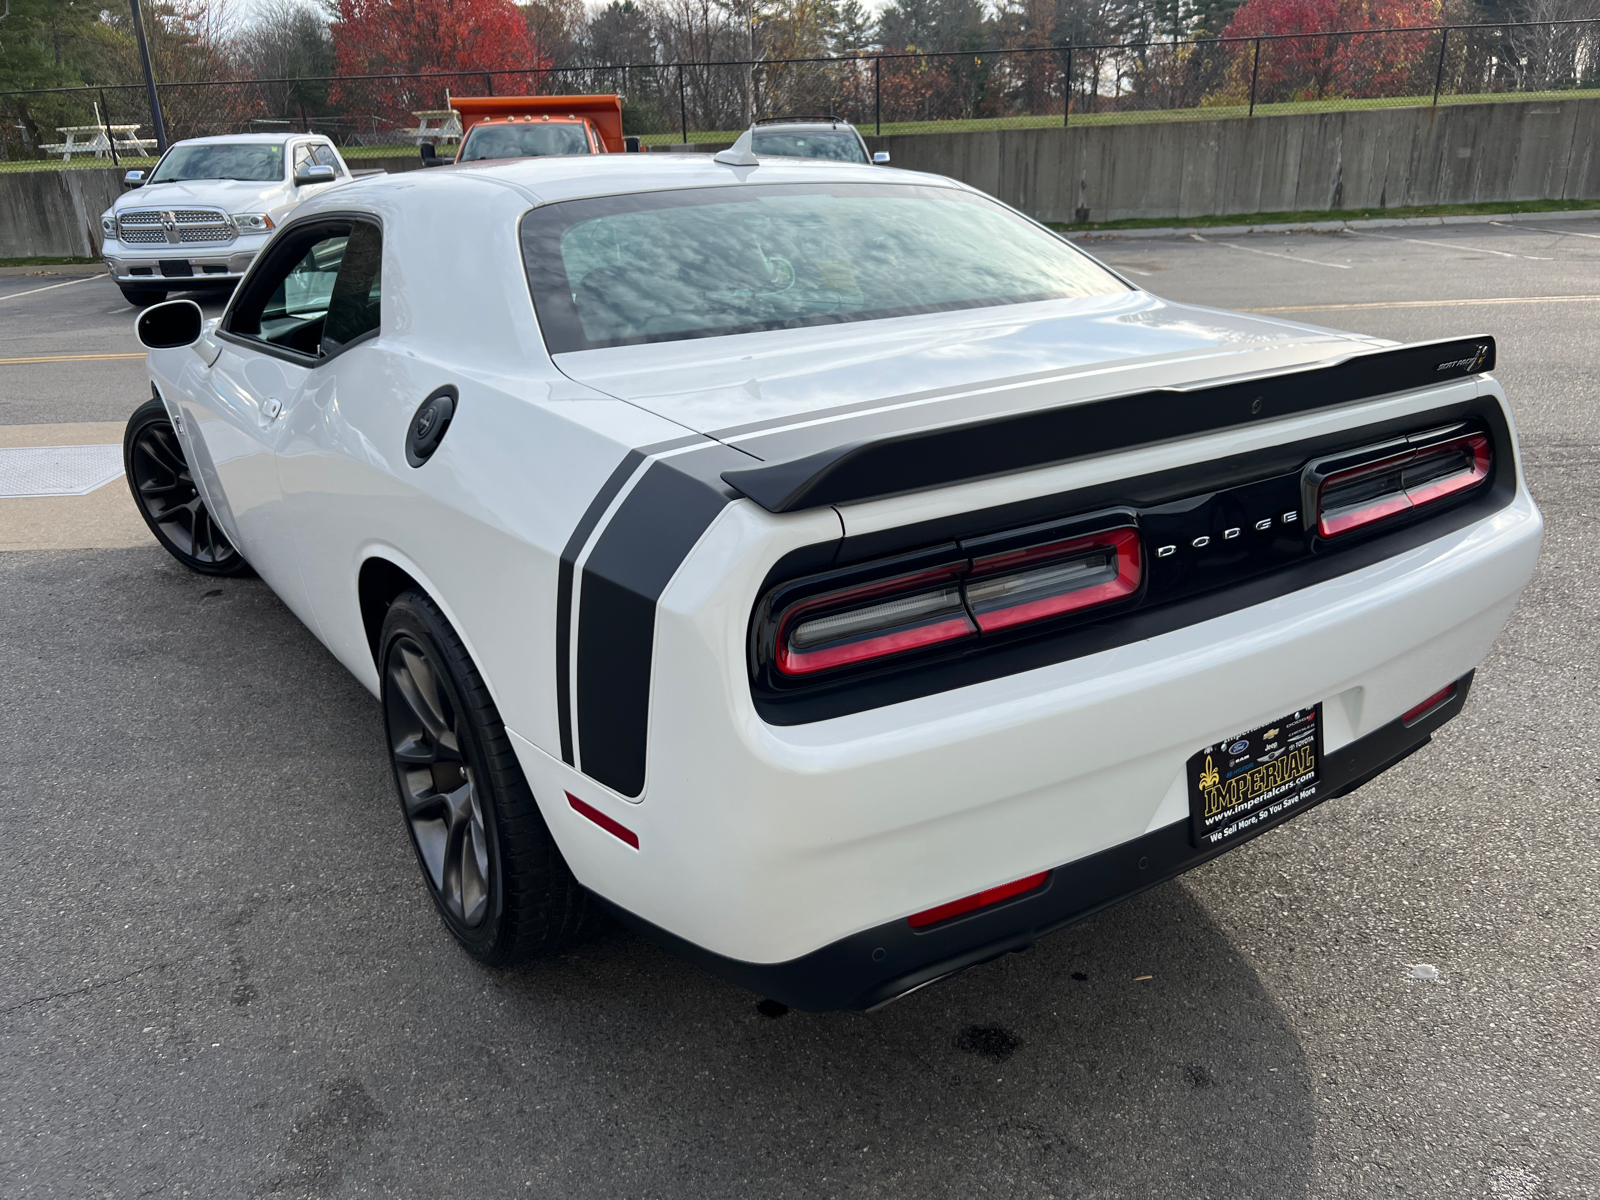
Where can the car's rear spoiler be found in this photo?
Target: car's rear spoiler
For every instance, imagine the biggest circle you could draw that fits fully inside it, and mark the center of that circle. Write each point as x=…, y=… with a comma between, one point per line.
x=950, y=454
x=604, y=111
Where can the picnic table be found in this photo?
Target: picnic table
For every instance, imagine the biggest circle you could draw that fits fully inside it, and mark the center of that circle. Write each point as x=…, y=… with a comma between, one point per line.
x=435, y=125
x=92, y=139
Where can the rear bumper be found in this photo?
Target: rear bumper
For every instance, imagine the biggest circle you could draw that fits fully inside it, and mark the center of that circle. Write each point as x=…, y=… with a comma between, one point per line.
x=878, y=965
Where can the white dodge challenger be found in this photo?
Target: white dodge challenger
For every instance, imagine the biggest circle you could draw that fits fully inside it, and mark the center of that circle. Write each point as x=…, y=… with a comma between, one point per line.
x=824, y=569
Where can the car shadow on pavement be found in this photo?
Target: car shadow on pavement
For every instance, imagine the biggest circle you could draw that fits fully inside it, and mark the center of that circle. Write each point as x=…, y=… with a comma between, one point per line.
x=225, y=975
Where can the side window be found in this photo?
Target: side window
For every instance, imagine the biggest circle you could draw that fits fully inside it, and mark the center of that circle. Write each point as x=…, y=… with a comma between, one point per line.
x=319, y=294
x=353, y=308
x=302, y=155
x=323, y=156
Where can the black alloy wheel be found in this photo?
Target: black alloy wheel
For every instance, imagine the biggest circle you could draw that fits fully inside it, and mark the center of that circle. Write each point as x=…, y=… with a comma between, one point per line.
x=494, y=872
x=163, y=489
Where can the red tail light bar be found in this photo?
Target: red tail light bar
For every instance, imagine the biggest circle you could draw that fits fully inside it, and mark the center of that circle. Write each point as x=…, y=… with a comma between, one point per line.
x=1091, y=566
x=958, y=599
x=1361, y=488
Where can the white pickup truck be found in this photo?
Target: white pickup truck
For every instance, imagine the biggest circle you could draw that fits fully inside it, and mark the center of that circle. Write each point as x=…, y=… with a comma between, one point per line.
x=199, y=218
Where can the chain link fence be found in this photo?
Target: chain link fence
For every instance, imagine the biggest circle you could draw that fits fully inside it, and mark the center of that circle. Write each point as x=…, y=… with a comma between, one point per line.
x=380, y=116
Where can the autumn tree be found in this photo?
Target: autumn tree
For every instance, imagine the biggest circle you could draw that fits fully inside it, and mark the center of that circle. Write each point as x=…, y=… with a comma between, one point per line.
x=435, y=37
x=1300, y=65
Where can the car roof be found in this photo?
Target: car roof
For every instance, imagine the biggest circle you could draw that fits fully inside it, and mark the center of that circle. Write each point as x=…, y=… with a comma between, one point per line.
x=551, y=179
x=268, y=139
x=840, y=126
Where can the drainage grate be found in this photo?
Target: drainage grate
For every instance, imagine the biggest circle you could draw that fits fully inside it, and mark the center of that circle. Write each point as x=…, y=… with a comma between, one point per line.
x=57, y=470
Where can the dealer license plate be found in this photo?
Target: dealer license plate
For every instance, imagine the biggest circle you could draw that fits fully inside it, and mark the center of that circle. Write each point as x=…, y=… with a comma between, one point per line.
x=1256, y=778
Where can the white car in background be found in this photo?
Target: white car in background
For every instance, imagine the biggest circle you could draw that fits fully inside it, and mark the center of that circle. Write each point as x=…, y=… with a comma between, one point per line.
x=832, y=139
x=823, y=567
x=198, y=219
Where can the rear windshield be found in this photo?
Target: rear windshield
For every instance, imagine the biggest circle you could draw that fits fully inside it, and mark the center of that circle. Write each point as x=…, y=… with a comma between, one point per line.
x=221, y=160
x=522, y=141
x=837, y=146
x=664, y=266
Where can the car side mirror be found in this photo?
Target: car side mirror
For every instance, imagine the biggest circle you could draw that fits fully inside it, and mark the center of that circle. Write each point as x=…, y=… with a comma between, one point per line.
x=630, y=145
x=313, y=174
x=167, y=326
x=429, y=154
x=133, y=179
x=881, y=157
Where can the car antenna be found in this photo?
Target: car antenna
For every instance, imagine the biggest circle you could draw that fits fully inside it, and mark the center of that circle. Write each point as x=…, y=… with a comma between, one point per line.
x=739, y=154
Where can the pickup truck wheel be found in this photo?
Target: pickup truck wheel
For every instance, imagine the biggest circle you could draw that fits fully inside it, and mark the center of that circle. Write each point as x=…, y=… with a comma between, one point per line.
x=142, y=297
x=164, y=492
x=490, y=864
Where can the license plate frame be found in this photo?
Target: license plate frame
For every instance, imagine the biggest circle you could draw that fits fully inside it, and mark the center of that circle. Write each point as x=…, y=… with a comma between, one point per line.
x=1255, y=779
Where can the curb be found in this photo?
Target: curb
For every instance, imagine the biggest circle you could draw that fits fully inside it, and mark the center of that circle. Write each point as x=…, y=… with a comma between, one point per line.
x=56, y=269
x=1169, y=231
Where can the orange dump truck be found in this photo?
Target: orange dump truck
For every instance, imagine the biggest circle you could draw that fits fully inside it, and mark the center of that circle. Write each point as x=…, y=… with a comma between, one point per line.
x=531, y=126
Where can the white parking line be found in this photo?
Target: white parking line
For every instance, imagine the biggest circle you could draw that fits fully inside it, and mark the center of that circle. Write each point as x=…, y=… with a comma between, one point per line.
x=1425, y=303
x=1305, y=262
x=1536, y=229
x=1389, y=237
x=50, y=286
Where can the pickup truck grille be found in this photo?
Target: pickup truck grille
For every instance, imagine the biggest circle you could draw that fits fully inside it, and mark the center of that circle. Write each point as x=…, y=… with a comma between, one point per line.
x=175, y=226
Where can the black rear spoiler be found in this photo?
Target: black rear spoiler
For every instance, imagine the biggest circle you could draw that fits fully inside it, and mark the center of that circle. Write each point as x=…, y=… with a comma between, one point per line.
x=1022, y=441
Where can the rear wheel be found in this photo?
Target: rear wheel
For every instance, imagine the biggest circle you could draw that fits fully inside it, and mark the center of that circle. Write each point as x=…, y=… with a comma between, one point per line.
x=141, y=297
x=494, y=872
x=164, y=491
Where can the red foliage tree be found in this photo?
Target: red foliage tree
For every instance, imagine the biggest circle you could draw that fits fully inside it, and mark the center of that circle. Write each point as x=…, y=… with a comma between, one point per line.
x=1305, y=66
x=451, y=38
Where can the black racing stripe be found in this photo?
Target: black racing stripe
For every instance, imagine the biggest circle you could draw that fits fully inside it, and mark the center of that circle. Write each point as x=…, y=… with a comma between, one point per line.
x=647, y=538
x=569, y=556
x=866, y=465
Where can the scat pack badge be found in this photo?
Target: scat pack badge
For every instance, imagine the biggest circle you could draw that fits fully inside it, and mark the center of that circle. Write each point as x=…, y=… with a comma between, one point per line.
x=1468, y=365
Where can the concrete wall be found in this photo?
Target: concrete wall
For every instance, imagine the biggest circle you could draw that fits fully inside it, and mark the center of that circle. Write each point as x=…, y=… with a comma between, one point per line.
x=54, y=214
x=1382, y=158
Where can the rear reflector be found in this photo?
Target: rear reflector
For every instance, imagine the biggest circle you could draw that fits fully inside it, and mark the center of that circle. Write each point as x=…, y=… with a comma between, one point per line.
x=1349, y=500
x=1413, y=715
x=615, y=828
x=1061, y=577
x=978, y=900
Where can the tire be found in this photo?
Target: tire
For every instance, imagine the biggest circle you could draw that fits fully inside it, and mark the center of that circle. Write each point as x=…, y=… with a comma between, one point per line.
x=141, y=297
x=164, y=492
x=487, y=857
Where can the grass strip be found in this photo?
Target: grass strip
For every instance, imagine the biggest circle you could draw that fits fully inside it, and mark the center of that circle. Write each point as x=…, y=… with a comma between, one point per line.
x=1308, y=216
x=45, y=262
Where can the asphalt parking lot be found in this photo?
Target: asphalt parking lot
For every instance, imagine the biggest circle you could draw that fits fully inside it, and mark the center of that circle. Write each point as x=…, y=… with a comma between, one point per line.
x=222, y=977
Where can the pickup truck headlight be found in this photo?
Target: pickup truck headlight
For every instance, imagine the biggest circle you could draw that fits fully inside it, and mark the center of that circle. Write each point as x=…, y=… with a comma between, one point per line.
x=108, y=225
x=252, y=222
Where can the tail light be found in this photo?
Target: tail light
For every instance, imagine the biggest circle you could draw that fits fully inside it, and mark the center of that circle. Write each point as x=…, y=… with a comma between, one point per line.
x=903, y=613
x=981, y=588
x=1047, y=581
x=1396, y=478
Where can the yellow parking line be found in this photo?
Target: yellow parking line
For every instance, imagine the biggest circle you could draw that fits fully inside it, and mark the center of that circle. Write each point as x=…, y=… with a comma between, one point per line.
x=44, y=358
x=1426, y=303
